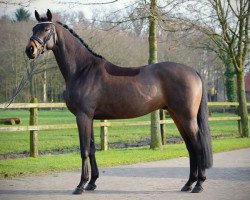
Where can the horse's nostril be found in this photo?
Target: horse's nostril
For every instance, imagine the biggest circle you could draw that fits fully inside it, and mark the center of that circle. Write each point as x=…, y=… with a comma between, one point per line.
x=31, y=49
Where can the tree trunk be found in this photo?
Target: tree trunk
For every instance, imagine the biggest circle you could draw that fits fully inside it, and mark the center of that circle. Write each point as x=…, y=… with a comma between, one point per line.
x=230, y=83
x=152, y=39
x=242, y=104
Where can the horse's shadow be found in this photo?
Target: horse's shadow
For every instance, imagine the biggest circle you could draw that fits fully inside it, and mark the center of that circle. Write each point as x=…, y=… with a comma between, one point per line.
x=32, y=192
x=215, y=173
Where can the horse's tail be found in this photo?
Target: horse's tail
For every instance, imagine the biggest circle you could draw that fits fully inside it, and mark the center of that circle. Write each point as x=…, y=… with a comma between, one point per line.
x=204, y=136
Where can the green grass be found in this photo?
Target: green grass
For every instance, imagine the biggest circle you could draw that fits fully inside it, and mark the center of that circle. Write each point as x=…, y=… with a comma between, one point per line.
x=15, y=142
x=51, y=163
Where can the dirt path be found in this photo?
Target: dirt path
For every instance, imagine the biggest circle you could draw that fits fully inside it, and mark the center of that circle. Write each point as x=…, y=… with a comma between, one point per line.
x=228, y=179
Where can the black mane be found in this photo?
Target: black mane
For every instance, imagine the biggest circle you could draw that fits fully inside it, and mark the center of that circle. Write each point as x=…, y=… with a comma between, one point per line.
x=80, y=39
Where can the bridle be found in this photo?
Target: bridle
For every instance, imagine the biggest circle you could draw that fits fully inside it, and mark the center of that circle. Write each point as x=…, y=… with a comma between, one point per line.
x=47, y=38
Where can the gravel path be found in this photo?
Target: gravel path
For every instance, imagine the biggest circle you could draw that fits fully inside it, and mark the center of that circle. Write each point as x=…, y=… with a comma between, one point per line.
x=229, y=179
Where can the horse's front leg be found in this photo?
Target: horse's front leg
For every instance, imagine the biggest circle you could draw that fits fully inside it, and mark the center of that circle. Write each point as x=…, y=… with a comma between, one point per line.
x=93, y=164
x=84, y=123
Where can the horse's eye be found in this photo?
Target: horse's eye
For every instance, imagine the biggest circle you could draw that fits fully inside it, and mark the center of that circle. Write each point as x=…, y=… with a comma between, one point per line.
x=46, y=29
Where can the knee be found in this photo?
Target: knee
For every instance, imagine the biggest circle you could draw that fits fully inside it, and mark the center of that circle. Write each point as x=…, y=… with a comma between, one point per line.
x=85, y=154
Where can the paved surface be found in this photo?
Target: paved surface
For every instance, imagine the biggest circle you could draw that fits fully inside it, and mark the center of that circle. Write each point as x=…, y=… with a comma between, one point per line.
x=228, y=179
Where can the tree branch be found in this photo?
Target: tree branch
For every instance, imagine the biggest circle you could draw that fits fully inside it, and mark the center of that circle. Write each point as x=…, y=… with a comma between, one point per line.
x=232, y=9
x=246, y=34
x=87, y=4
x=15, y=3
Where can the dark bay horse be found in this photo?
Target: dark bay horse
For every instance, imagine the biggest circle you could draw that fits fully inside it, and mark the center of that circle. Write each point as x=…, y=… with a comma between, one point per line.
x=98, y=89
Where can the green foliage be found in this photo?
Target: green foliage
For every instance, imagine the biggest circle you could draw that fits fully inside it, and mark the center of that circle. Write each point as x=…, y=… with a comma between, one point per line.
x=22, y=15
x=50, y=163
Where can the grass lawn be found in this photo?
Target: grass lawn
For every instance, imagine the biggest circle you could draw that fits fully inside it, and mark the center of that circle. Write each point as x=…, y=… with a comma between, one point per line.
x=50, y=163
x=15, y=142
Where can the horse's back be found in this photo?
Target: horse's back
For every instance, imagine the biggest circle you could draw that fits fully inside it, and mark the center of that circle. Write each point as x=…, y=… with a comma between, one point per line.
x=171, y=69
x=133, y=93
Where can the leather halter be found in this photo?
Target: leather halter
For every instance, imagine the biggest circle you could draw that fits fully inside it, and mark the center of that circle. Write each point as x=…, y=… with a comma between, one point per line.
x=43, y=42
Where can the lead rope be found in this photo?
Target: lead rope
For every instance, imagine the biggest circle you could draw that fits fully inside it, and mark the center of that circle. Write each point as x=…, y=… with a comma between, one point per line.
x=25, y=79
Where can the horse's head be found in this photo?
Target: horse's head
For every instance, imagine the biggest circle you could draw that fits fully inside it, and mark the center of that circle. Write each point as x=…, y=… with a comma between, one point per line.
x=44, y=36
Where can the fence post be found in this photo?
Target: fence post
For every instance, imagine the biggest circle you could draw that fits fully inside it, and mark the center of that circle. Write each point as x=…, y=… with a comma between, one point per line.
x=239, y=127
x=33, y=134
x=239, y=121
x=104, y=137
x=163, y=127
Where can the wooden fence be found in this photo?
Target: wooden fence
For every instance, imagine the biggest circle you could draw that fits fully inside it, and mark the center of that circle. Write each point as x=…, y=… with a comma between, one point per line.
x=103, y=124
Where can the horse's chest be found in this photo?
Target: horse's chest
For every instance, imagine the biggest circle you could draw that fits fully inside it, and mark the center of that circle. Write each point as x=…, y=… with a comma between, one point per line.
x=77, y=99
x=70, y=102
x=73, y=100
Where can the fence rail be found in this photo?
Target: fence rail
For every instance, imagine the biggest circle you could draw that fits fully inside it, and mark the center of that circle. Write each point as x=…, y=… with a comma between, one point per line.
x=32, y=105
x=104, y=124
x=99, y=124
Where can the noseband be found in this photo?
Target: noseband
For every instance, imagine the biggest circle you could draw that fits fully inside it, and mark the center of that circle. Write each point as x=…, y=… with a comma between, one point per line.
x=47, y=38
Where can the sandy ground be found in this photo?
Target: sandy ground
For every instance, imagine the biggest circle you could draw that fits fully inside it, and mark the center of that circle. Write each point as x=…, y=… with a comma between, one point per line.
x=228, y=179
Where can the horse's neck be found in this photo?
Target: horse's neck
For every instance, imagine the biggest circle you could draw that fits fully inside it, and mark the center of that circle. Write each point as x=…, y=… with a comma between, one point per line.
x=70, y=54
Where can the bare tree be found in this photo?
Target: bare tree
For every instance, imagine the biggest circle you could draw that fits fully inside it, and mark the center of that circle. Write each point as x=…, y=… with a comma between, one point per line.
x=234, y=23
x=226, y=23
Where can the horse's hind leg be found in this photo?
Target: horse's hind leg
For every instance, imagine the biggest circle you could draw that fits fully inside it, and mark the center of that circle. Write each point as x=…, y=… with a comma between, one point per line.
x=197, y=172
x=193, y=175
x=189, y=129
x=201, y=170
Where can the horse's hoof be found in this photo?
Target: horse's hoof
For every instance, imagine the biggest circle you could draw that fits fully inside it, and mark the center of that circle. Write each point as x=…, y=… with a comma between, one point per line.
x=78, y=191
x=197, y=189
x=186, y=188
x=90, y=187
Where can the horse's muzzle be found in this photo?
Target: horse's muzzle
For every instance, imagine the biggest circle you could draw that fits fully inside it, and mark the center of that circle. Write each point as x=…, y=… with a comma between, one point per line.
x=30, y=52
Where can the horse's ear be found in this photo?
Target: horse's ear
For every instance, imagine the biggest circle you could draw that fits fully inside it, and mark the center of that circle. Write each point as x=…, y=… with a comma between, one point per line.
x=49, y=15
x=37, y=16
